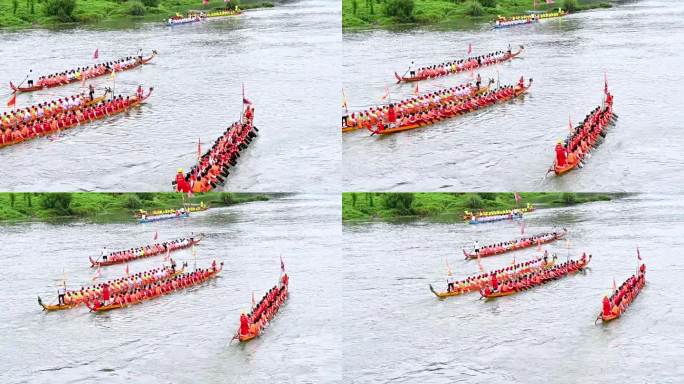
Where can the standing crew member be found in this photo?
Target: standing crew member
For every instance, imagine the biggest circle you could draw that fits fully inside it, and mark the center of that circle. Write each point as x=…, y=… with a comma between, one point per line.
x=181, y=184
x=61, y=292
x=560, y=155
x=105, y=293
x=606, y=306
x=244, y=324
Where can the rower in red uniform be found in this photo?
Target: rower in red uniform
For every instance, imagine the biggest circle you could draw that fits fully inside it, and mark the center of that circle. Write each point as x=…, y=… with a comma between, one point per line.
x=560, y=155
x=380, y=125
x=495, y=282
x=244, y=324
x=181, y=184
x=391, y=115
x=607, y=309
x=105, y=292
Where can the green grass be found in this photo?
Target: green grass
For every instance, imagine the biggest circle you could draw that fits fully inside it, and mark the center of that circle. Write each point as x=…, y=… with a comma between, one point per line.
x=91, y=11
x=446, y=12
x=374, y=206
x=107, y=207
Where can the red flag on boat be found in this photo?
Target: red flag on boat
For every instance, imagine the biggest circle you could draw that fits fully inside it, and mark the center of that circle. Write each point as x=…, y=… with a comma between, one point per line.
x=244, y=99
x=156, y=234
x=96, y=54
x=470, y=48
x=97, y=274
x=570, y=127
x=605, y=83
x=638, y=254
x=345, y=105
x=127, y=271
x=282, y=264
x=416, y=91
x=386, y=95
x=12, y=101
x=199, y=148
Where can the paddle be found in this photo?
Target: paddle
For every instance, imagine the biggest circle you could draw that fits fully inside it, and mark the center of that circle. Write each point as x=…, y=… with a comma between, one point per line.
x=25, y=78
x=402, y=76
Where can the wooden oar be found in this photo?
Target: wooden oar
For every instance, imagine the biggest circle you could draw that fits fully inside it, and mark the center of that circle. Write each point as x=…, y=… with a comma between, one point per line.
x=407, y=71
x=25, y=78
x=598, y=317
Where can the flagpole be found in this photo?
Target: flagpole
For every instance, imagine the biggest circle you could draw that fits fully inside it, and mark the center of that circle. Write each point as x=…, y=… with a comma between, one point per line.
x=242, y=113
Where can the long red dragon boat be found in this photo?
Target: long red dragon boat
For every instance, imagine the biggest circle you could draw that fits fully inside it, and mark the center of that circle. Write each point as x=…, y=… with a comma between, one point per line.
x=483, y=280
x=120, y=257
x=618, y=303
x=74, y=79
x=49, y=108
x=74, y=298
x=452, y=68
x=176, y=284
x=70, y=119
x=261, y=315
x=585, y=138
x=213, y=167
x=514, y=245
x=535, y=279
x=444, y=112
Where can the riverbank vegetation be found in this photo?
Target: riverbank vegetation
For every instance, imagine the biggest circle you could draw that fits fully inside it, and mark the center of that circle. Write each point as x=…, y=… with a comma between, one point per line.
x=50, y=13
x=106, y=206
x=385, y=206
x=390, y=13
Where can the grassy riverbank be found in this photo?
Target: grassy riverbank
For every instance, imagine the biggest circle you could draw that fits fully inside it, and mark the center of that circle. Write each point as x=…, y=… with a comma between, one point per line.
x=105, y=207
x=17, y=14
x=385, y=206
x=393, y=13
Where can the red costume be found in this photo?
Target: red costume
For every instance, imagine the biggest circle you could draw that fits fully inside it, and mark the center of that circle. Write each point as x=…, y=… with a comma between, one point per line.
x=105, y=292
x=391, y=115
x=560, y=155
x=606, y=306
x=181, y=184
x=244, y=324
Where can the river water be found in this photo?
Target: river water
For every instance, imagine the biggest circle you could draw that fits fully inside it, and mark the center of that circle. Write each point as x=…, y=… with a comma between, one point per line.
x=638, y=44
x=183, y=337
x=395, y=330
x=286, y=57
